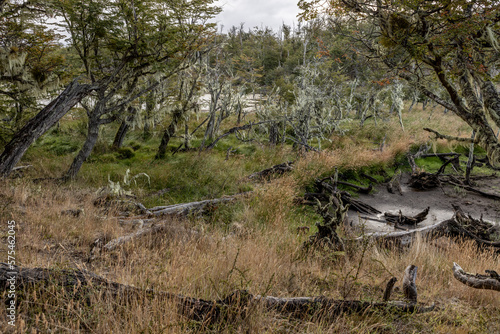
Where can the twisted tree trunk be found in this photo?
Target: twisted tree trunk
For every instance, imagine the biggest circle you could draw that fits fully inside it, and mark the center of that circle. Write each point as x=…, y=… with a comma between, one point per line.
x=39, y=124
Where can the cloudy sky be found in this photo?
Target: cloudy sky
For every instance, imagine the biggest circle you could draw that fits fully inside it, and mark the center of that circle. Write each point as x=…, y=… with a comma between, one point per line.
x=257, y=12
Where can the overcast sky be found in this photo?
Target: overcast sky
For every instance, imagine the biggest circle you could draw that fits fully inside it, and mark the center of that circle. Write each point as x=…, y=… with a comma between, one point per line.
x=253, y=13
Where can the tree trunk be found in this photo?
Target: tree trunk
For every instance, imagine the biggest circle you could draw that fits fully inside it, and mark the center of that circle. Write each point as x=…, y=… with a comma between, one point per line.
x=124, y=127
x=88, y=146
x=39, y=124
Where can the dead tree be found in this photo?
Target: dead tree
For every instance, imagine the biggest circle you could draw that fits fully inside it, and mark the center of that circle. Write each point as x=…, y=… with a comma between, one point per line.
x=401, y=219
x=334, y=215
x=81, y=285
x=490, y=281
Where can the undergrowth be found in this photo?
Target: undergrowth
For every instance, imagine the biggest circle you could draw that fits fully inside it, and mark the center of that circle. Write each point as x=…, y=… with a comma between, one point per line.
x=252, y=244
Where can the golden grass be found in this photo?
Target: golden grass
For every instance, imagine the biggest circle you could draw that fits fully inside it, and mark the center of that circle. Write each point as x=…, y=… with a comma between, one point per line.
x=264, y=260
x=258, y=249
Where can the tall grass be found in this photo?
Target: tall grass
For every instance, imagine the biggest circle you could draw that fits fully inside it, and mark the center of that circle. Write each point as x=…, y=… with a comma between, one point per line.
x=252, y=244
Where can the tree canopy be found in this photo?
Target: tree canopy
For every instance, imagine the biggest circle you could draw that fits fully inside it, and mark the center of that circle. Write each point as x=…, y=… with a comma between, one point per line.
x=453, y=43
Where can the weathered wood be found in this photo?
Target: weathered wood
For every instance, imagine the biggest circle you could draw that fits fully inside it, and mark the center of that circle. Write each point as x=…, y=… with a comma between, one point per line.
x=406, y=220
x=405, y=238
x=409, y=286
x=477, y=191
x=477, y=281
x=388, y=289
x=334, y=214
x=82, y=284
x=185, y=208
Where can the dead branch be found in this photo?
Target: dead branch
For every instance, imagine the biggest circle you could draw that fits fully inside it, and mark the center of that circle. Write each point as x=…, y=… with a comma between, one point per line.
x=401, y=219
x=334, y=214
x=346, y=198
x=405, y=238
x=184, y=209
x=409, y=286
x=491, y=281
x=234, y=130
x=441, y=136
x=388, y=289
x=82, y=284
x=276, y=169
x=461, y=226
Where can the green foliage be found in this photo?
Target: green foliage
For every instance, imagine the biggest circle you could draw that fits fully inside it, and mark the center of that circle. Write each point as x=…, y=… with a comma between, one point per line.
x=125, y=153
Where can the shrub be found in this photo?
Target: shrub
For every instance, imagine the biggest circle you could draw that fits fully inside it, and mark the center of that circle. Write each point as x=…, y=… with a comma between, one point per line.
x=125, y=153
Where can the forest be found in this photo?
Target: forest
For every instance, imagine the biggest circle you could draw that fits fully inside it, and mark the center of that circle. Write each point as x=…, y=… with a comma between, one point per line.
x=161, y=173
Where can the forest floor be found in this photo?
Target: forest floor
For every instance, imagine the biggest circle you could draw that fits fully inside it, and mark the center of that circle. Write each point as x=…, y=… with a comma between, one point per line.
x=254, y=243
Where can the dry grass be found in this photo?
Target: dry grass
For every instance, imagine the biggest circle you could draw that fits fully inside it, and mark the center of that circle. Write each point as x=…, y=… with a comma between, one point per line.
x=251, y=245
x=263, y=259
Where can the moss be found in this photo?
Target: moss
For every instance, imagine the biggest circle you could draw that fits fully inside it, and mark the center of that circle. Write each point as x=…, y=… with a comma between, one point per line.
x=125, y=153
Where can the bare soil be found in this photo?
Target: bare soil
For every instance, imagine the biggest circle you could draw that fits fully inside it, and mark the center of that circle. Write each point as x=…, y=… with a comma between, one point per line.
x=439, y=200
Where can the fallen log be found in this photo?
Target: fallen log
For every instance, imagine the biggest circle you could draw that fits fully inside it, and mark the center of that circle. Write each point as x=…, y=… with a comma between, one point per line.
x=81, y=284
x=149, y=230
x=491, y=281
x=401, y=219
x=276, y=169
x=405, y=238
x=362, y=190
x=184, y=209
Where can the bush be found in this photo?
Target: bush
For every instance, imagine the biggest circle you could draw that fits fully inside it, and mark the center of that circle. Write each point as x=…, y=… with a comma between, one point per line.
x=125, y=153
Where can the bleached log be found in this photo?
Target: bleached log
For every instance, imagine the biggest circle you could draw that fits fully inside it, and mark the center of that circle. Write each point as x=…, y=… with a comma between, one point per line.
x=149, y=230
x=185, y=208
x=477, y=281
x=405, y=238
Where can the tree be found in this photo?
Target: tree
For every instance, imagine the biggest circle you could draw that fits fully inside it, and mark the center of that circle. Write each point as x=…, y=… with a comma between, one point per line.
x=453, y=43
x=120, y=43
x=31, y=66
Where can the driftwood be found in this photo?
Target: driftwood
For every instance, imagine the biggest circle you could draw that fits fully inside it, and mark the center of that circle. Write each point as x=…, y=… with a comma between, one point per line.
x=460, y=226
x=346, y=198
x=401, y=219
x=82, y=284
x=491, y=281
x=474, y=190
x=405, y=238
x=276, y=169
x=184, y=209
x=424, y=181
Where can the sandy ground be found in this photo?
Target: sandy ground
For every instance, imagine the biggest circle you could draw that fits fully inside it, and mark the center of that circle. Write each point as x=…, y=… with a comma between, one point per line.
x=439, y=200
